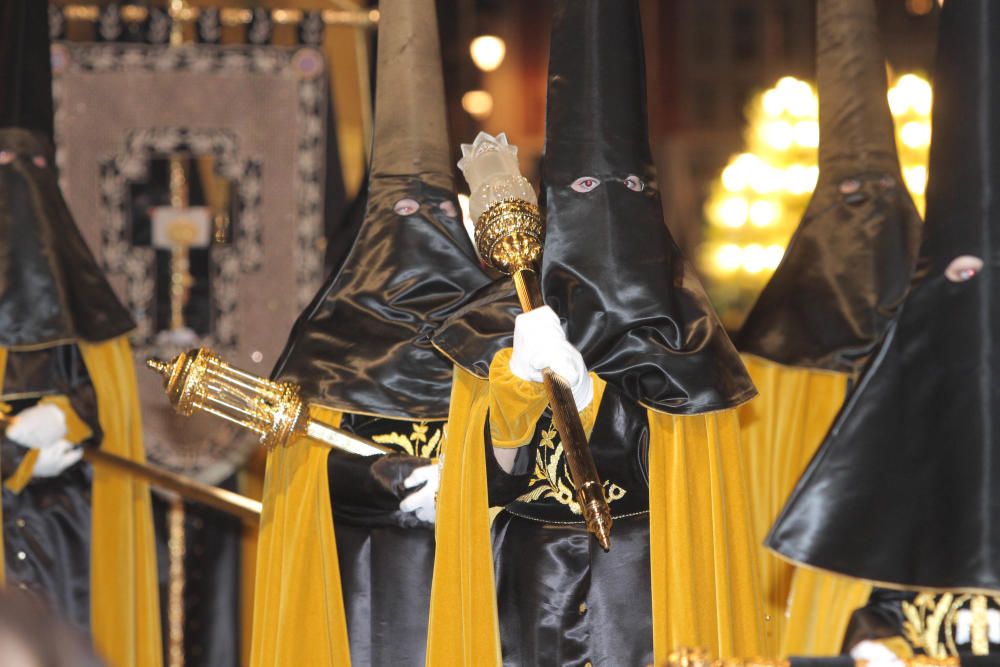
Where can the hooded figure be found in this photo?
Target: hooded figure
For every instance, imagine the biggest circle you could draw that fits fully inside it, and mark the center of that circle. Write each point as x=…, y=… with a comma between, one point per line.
x=82, y=538
x=843, y=276
x=903, y=491
x=657, y=406
x=361, y=352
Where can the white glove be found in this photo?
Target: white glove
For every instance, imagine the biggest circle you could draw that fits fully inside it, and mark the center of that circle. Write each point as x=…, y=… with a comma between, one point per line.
x=877, y=655
x=540, y=343
x=423, y=502
x=53, y=460
x=38, y=427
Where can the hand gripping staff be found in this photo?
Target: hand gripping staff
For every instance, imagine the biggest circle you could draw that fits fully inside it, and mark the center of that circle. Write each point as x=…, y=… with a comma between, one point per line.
x=509, y=233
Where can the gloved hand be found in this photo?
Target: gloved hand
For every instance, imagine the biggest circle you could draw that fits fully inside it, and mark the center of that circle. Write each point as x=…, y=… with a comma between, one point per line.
x=38, y=427
x=423, y=501
x=54, y=459
x=877, y=654
x=539, y=343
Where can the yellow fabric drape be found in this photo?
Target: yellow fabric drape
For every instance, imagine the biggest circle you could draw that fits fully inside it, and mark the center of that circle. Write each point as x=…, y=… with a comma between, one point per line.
x=819, y=609
x=463, y=627
x=704, y=571
x=251, y=485
x=516, y=405
x=299, y=614
x=781, y=430
x=704, y=576
x=124, y=599
x=3, y=563
x=22, y=475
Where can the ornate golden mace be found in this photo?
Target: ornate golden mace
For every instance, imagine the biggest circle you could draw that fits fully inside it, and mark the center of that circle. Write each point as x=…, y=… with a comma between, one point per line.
x=199, y=380
x=509, y=236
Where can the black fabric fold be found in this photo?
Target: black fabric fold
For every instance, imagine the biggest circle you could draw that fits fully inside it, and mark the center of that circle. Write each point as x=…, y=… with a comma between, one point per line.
x=628, y=299
x=848, y=266
x=904, y=489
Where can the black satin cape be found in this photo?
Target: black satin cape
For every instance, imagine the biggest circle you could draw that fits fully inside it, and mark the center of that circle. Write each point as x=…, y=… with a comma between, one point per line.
x=52, y=290
x=628, y=299
x=848, y=265
x=904, y=489
x=363, y=345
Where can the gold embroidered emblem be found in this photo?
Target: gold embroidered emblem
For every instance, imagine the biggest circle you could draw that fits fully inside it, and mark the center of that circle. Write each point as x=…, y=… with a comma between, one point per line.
x=418, y=443
x=551, y=479
x=931, y=623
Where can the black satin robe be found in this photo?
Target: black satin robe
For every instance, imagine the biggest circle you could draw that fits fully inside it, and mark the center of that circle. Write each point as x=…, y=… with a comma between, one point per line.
x=47, y=529
x=561, y=599
x=386, y=556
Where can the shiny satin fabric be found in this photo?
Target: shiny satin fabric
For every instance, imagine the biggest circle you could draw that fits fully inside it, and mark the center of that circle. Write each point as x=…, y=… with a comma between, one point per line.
x=24, y=61
x=683, y=483
x=569, y=602
x=916, y=439
x=52, y=290
x=386, y=577
x=386, y=556
x=848, y=265
x=364, y=344
x=627, y=298
x=47, y=541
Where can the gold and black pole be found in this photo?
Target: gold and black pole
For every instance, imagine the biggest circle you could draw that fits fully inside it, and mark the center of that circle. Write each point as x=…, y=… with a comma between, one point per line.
x=199, y=380
x=510, y=234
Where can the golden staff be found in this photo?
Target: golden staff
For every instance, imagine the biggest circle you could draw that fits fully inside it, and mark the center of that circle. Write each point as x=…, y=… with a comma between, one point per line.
x=245, y=508
x=238, y=505
x=509, y=235
x=199, y=380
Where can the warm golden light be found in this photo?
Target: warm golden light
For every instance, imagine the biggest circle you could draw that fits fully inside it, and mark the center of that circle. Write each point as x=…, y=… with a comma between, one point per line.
x=915, y=179
x=478, y=104
x=763, y=213
x=916, y=134
x=762, y=193
x=487, y=52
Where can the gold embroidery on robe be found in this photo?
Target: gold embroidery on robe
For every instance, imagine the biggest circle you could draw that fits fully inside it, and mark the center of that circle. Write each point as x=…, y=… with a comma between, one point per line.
x=930, y=623
x=417, y=443
x=551, y=479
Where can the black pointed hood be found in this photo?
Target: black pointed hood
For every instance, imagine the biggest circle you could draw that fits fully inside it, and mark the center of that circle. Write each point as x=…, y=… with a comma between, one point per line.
x=25, y=66
x=849, y=264
x=363, y=345
x=52, y=290
x=629, y=300
x=905, y=488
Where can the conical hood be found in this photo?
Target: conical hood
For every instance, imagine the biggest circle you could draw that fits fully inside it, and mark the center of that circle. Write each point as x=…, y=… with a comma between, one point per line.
x=363, y=345
x=630, y=302
x=848, y=266
x=52, y=290
x=411, y=133
x=25, y=66
x=904, y=489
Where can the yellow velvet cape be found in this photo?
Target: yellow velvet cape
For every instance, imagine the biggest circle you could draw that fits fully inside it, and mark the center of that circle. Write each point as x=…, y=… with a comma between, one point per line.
x=298, y=609
x=806, y=611
x=124, y=594
x=701, y=550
